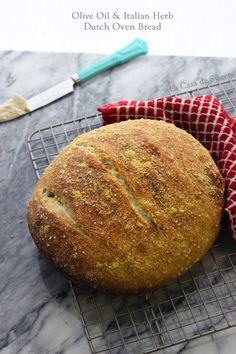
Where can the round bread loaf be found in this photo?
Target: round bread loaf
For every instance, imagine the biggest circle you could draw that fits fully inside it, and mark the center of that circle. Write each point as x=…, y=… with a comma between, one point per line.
x=128, y=207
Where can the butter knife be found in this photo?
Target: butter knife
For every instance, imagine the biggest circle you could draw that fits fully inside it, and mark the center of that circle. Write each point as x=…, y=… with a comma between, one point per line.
x=131, y=51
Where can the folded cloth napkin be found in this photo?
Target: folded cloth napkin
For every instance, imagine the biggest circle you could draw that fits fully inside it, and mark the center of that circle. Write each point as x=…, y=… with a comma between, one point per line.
x=205, y=118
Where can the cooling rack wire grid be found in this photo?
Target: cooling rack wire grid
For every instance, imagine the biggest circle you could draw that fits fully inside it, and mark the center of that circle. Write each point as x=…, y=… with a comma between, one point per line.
x=202, y=301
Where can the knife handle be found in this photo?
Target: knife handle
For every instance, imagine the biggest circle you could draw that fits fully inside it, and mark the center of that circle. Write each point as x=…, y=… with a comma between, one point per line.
x=133, y=50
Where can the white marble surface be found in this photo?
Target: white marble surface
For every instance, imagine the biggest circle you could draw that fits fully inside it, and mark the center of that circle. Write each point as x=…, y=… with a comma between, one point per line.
x=38, y=313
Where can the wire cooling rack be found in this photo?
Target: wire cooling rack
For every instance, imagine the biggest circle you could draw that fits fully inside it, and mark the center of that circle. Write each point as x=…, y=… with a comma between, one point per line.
x=202, y=301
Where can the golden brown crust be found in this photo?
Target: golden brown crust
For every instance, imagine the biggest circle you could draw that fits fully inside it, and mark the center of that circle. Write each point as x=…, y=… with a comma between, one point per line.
x=128, y=207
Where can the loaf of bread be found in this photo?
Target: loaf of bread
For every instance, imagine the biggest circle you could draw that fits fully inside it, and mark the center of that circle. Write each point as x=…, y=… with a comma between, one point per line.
x=128, y=207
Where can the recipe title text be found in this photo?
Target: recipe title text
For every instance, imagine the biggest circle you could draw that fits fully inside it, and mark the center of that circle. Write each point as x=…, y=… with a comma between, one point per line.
x=122, y=21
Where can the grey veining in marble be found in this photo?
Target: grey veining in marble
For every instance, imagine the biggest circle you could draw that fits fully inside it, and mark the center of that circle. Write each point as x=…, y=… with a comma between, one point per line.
x=37, y=311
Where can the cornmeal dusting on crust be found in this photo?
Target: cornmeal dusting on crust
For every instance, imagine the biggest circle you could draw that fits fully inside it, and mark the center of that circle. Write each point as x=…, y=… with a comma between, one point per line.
x=128, y=207
x=13, y=108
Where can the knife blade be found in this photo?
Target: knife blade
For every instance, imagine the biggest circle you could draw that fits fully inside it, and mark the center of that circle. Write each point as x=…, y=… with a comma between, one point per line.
x=50, y=95
x=18, y=106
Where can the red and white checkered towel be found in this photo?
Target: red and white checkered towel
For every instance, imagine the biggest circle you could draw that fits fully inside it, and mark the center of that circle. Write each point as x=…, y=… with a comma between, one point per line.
x=205, y=118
